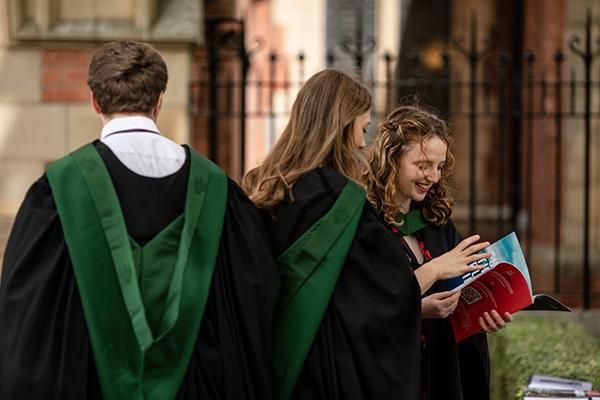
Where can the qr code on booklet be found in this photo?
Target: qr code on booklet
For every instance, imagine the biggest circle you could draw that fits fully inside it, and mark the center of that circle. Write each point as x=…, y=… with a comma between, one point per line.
x=470, y=295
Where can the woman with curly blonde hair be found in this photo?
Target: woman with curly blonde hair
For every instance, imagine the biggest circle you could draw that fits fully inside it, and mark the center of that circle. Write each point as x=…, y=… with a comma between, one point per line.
x=406, y=126
x=409, y=184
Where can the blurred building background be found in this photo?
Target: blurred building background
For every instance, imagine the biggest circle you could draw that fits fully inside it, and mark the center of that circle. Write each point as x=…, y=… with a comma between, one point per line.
x=516, y=78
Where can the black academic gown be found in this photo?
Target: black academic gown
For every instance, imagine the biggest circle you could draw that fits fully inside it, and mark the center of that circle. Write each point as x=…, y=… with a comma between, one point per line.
x=367, y=346
x=454, y=372
x=45, y=350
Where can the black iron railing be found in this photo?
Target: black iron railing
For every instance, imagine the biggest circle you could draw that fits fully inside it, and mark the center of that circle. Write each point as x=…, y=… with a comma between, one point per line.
x=477, y=86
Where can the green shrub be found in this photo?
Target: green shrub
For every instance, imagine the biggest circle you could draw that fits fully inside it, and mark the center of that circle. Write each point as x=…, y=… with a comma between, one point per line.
x=544, y=346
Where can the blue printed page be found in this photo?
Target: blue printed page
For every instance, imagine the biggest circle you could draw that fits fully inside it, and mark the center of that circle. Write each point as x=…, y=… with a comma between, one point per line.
x=507, y=250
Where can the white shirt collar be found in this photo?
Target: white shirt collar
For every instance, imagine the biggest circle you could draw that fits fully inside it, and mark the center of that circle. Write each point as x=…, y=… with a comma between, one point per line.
x=136, y=142
x=130, y=124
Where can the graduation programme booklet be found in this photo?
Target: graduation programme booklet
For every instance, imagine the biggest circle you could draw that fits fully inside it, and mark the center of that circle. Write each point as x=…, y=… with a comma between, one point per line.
x=544, y=387
x=503, y=285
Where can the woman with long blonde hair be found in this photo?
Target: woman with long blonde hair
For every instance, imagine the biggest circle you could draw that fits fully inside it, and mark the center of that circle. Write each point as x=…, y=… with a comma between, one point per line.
x=326, y=129
x=409, y=184
x=348, y=321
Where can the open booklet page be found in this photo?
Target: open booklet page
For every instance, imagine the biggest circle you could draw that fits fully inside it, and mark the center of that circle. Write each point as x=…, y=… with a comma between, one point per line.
x=544, y=302
x=503, y=285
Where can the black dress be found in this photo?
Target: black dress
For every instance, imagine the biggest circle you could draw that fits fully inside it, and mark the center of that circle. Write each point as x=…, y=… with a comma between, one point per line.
x=367, y=346
x=45, y=350
x=451, y=371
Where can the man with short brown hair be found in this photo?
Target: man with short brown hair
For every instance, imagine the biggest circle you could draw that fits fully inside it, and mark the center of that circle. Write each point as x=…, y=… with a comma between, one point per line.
x=127, y=77
x=135, y=268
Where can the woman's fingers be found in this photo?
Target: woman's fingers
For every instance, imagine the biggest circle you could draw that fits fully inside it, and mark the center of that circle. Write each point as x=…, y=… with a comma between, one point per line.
x=446, y=295
x=476, y=257
x=487, y=323
x=470, y=267
x=455, y=297
x=476, y=248
x=451, y=301
x=498, y=320
x=467, y=242
x=493, y=322
x=442, y=304
x=484, y=325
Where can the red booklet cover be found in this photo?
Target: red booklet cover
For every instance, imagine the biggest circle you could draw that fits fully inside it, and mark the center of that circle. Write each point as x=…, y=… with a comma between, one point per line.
x=504, y=289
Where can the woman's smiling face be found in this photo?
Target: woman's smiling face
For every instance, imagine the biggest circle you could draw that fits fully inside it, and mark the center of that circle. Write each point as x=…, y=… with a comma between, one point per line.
x=420, y=167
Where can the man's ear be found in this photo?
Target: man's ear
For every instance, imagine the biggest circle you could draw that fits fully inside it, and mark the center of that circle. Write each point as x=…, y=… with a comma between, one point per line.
x=158, y=105
x=94, y=103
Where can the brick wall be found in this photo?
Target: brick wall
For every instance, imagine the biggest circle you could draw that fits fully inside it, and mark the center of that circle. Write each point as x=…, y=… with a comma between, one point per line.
x=64, y=74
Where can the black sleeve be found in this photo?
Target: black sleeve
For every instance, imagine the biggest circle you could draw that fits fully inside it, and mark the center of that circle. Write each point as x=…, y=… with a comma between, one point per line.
x=44, y=347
